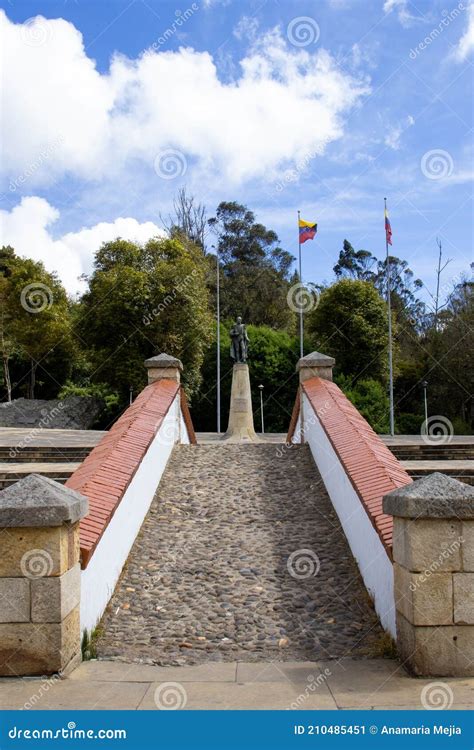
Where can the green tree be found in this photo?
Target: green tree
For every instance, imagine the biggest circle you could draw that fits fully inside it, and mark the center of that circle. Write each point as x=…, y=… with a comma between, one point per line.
x=449, y=357
x=370, y=398
x=355, y=264
x=35, y=325
x=350, y=323
x=255, y=270
x=145, y=299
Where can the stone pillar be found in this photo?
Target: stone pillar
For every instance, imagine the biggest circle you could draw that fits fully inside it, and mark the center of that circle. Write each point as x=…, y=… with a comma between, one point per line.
x=314, y=365
x=433, y=553
x=39, y=577
x=240, y=428
x=163, y=367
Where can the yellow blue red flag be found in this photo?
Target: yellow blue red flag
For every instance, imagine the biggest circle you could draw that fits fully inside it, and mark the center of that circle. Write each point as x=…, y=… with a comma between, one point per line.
x=307, y=230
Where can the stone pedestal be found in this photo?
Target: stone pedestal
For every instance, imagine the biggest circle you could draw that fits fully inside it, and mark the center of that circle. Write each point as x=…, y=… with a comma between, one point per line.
x=40, y=577
x=240, y=428
x=433, y=543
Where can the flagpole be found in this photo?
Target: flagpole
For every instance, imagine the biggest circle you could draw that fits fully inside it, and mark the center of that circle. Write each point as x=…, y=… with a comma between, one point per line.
x=301, y=291
x=389, y=306
x=218, y=311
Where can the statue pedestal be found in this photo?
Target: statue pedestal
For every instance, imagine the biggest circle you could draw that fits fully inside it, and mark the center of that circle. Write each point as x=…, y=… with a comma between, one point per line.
x=240, y=428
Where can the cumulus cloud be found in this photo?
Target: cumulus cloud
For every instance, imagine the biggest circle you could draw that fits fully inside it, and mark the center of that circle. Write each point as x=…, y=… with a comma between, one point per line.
x=284, y=102
x=466, y=43
x=28, y=229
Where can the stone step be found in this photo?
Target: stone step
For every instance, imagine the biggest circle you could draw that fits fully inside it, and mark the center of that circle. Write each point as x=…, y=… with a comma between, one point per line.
x=12, y=472
x=462, y=470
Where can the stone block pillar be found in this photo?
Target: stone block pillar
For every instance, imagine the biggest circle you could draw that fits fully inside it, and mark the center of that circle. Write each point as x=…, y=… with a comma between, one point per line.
x=164, y=367
x=433, y=553
x=39, y=577
x=314, y=365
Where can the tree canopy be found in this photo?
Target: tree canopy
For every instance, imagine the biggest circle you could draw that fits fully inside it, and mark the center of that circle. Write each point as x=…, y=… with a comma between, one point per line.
x=142, y=299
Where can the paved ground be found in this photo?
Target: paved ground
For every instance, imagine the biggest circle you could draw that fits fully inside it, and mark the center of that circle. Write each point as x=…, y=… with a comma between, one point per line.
x=421, y=441
x=344, y=684
x=33, y=437
x=240, y=557
x=215, y=438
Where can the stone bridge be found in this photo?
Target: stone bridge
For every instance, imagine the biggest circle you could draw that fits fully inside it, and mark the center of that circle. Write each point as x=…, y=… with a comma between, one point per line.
x=163, y=551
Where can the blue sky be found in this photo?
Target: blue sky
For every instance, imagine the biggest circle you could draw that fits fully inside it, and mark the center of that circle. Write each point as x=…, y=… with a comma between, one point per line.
x=324, y=106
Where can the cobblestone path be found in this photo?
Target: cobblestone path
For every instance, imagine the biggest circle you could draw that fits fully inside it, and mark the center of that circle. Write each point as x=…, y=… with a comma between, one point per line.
x=241, y=557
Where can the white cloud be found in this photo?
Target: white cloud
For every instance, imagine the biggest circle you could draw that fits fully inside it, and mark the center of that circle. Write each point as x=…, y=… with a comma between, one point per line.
x=466, y=43
x=27, y=228
x=246, y=28
x=392, y=138
x=402, y=8
x=286, y=101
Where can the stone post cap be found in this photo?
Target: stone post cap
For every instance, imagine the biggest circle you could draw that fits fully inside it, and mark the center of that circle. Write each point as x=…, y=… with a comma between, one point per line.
x=163, y=360
x=315, y=359
x=315, y=365
x=434, y=496
x=40, y=501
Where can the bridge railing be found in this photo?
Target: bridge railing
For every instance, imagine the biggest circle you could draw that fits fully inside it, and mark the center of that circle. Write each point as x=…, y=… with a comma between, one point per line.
x=64, y=547
x=359, y=471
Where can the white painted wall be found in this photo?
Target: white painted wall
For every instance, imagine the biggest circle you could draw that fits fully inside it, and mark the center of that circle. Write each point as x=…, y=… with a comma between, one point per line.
x=374, y=564
x=98, y=580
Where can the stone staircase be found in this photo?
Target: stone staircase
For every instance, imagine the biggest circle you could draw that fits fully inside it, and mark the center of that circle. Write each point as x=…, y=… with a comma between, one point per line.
x=241, y=557
x=455, y=458
x=52, y=453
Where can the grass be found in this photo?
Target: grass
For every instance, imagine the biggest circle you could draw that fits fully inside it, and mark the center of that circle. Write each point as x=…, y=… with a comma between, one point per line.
x=89, y=643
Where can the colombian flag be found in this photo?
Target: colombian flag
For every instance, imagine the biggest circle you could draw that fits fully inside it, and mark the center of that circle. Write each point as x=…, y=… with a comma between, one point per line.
x=388, y=229
x=307, y=231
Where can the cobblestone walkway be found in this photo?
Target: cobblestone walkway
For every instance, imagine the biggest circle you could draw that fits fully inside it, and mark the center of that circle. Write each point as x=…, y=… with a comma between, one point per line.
x=241, y=557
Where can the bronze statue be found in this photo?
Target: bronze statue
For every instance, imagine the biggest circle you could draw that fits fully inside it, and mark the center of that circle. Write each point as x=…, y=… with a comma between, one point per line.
x=239, y=342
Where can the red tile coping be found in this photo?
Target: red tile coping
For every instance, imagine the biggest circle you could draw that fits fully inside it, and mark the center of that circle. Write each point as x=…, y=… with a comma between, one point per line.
x=294, y=418
x=187, y=417
x=371, y=467
x=107, y=471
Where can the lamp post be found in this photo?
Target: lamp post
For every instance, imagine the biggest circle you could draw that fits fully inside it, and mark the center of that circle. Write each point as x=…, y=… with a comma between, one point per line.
x=425, y=399
x=131, y=394
x=260, y=388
